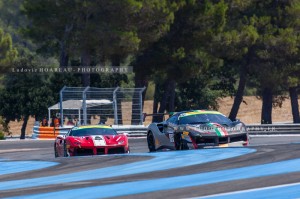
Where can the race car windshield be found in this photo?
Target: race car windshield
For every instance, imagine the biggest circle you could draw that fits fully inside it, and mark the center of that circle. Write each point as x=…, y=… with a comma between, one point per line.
x=204, y=118
x=92, y=131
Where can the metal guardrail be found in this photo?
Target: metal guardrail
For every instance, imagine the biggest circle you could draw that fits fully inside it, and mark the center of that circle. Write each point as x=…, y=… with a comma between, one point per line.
x=141, y=131
x=263, y=129
x=132, y=131
x=273, y=129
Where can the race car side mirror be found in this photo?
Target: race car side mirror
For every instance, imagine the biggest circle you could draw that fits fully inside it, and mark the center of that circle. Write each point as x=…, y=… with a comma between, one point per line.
x=62, y=137
x=236, y=121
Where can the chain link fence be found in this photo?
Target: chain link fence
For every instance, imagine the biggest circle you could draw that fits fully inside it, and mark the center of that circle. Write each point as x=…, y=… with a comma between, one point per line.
x=91, y=105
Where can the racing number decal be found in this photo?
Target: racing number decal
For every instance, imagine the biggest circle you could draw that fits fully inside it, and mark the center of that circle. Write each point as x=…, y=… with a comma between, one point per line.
x=171, y=137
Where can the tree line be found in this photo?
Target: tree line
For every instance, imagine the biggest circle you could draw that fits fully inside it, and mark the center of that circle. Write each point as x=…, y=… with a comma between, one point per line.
x=192, y=51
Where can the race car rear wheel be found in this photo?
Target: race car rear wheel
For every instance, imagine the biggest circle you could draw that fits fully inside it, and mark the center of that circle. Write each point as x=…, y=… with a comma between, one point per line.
x=151, y=142
x=55, y=151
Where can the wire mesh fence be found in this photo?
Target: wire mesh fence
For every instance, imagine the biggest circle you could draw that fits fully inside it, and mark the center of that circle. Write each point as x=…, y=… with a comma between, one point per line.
x=91, y=105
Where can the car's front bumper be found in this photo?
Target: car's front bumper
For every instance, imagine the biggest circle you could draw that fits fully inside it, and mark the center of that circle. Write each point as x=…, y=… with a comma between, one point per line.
x=204, y=141
x=97, y=150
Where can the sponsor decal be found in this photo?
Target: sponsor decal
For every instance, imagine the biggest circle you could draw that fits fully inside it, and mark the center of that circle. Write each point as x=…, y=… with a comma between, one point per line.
x=185, y=133
x=171, y=137
x=221, y=132
x=157, y=143
x=223, y=145
x=97, y=141
x=206, y=144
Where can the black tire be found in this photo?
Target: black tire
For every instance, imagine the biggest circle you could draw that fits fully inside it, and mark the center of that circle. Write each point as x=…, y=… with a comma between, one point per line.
x=179, y=143
x=55, y=151
x=65, y=151
x=128, y=150
x=151, y=142
x=183, y=145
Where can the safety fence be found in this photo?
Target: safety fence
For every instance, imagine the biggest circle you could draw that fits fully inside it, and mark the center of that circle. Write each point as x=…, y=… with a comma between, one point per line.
x=141, y=131
x=91, y=105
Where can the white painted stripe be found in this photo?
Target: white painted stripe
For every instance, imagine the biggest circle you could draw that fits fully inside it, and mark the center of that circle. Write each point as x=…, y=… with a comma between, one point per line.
x=245, y=191
x=19, y=150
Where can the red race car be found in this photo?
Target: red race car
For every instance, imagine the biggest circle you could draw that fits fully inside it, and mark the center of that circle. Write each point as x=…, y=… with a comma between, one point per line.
x=90, y=140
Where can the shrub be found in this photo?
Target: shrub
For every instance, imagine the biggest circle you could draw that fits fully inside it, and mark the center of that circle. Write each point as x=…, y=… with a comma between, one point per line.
x=2, y=137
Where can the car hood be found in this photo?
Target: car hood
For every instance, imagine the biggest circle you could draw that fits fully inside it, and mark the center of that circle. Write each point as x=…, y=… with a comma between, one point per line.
x=215, y=128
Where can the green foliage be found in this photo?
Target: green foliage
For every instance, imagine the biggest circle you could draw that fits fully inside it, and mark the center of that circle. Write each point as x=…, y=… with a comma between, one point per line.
x=7, y=52
x=202, y=46
x=25, y=94
x=2, y=136
x=4, y=126
x=103, y=29
x=277, y=49
x=197, y=93
x=150, y=91
x=11, y=20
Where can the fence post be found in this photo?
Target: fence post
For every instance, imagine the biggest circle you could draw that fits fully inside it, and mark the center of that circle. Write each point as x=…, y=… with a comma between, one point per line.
x=61, y=106
x=84, y=107
x=115, y=106
x=141, y=105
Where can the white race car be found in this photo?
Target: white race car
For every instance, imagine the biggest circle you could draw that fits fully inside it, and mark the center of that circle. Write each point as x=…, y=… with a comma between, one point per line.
x=196, y=129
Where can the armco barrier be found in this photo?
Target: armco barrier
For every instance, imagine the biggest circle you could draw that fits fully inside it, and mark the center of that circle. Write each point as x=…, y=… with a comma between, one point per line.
x=274, y=129
x=40, y=132
x=141, y=131
x=263, y=129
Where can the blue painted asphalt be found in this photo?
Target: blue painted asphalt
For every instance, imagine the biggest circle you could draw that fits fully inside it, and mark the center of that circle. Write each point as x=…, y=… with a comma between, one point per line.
x=288, y=191
x=21, y=166
x=139, y=187
x=161, y=161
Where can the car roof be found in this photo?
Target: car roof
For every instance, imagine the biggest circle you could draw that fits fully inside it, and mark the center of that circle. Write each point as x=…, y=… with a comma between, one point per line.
x=198, y=112
x=92, y=127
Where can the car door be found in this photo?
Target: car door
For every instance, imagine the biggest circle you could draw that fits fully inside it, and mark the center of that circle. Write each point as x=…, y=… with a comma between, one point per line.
x=170, y=126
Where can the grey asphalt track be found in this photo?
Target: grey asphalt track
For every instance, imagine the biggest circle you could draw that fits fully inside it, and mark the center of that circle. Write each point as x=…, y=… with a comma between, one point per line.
x=269, y=149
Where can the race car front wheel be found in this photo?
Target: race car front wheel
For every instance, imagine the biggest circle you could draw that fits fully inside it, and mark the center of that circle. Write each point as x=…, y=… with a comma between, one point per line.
x=55, y=151
x=183, y=145
x=66, y=154
x=128, y=151
x=151, y=142
x=180, y=144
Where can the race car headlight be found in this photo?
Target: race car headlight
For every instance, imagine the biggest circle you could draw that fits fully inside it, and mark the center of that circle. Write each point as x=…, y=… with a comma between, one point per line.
x=238, y=129
x=121, y=142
